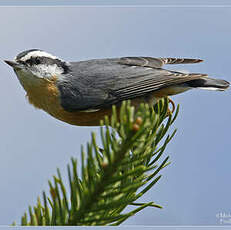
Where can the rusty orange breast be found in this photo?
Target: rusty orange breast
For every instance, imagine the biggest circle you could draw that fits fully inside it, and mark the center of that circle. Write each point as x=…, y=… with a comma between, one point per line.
x=45, y=95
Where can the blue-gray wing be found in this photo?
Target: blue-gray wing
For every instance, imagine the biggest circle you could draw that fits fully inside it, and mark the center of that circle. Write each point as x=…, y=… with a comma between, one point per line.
x=100, y=83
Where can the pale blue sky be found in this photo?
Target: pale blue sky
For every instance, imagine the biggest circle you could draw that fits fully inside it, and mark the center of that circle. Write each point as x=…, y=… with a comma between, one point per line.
x=111, y=2
x=196, y=186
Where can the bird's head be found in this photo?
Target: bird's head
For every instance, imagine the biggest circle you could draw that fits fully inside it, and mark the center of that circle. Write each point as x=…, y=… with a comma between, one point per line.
x=37, y=64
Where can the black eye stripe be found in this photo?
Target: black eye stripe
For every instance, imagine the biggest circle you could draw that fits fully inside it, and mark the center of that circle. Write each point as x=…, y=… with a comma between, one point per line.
x=42, y=60
x=47, y=61
x=34, y=61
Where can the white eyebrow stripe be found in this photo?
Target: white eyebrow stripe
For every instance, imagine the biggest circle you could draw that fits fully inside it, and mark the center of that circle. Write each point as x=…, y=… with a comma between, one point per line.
x=36, y=53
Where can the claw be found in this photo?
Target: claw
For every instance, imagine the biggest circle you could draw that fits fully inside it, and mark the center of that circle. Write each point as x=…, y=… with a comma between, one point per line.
x=173, y=106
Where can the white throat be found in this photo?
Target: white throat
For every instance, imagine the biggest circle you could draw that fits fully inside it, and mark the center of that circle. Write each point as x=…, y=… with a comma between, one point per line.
x=47, y=71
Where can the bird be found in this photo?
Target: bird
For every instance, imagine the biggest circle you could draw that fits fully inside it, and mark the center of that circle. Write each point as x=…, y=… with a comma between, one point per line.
x=82, y=93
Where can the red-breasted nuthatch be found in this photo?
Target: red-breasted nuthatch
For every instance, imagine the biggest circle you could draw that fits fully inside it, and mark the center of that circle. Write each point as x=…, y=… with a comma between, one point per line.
x=82, y=93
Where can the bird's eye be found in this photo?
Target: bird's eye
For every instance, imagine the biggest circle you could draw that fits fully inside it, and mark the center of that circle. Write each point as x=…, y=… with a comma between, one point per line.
x=37, y=61
x=33, y=61
x=29, y=62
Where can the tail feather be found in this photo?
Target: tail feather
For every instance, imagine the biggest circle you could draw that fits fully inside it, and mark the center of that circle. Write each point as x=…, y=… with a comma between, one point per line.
x=180, y=60
x=209, y=84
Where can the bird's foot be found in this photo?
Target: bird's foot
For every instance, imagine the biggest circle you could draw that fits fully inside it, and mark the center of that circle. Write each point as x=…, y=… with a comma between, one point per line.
x=170, y=112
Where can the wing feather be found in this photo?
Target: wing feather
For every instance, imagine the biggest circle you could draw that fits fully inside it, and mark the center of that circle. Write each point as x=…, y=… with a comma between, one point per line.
x=153, y=84
x=156, y=62
x=97, y=84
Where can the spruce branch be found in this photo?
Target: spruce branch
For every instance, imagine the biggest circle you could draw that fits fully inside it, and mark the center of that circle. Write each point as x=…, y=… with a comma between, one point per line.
x=114, y=177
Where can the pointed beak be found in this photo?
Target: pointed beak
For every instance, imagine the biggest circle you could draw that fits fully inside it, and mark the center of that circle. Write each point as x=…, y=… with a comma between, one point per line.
x=11, y=63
